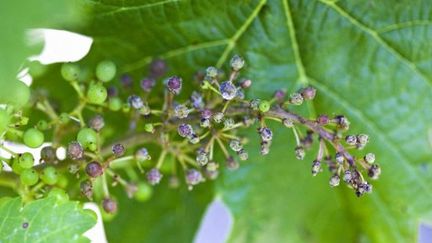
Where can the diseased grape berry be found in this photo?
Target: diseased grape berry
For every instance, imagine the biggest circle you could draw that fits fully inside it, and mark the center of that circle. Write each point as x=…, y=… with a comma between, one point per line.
x=339, y=158
x=193, y=177
x=86, y=188
x=288, y=122
x=106, y=70
x=296, y=99
x=237, y=63
x=29, y=177
x=96, y=93
x=147, y=84
x=266, y=134
x=218, y=117
x=351, y=140
x=205, y=122
x=342, y=122
x=229, y=123
x=70, y=71
x=202, y=157
x=75, y=151
x=49, y=175
x=348, y=176
x=144, y=192
x=154, y=176
x=374, y=172
x=308, y=93
x=94, y=169
x=158, y=68
x=370, y=158
x=228, y=90
x=135, y=102
x=316, y=167
x=300, y=152
x=194, y=139
x=254, y=104
x=33, y=138
x=87, y=137
x=265, y=147
x=97, y=123
x=174, y=84
x=362, y=140
x=185, y=130
x=243, y=155
x=235, y=145
x=142, y=155
x=118, y=149
x=48, y=154
x=109, y=205
x=26, y=160
x=231, y=163
x=334, y=181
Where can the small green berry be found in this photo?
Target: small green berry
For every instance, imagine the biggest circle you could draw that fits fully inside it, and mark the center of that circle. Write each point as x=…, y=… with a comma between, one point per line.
x=29, y=177
x=59, y=194
x=144, y=192
x=264, y=106
x=42, y=125
x=70, y=71
x=26, y=160
x=97, y=93
x=64, y=118
x=115, y=104
x=87, y=137
x=105, y=71
x=149, y=127
x=49, y=175
x=33, y=138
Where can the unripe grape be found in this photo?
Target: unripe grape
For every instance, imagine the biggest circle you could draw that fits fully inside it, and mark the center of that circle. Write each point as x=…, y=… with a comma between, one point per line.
x=97, y=93
x=49, y=175
x=29, y=177
x=64, y=118
x=33, y=138
x=115, y=104
x=15, y=93
x=59, y=194
x=264, y=106
x=106, y=71
x=88, y=138
x=144, y=192
x=70, y=71
x=26, y=160
x=42, y=125
x=16, y=168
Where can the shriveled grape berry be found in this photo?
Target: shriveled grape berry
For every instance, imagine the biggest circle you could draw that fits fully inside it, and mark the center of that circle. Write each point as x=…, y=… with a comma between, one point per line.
x=218, y=117
x=334, y=181
x=243, y=155
x=48, y=154
x=296, y=99
x=193, y=177
x=237, y=63
x=351, y=140
x=33, y=138
x=235, y=145
x=94, y=169
x=86, y=188
x=228, y=90
x=300, y=152
x=109, y=205
x=266, y=134
x=154, y=176
x=75, y=151
x=316, y=167
x=118, y=149
x=97, y=123
x=374, y=172
x=185, y=130
x=174, y=84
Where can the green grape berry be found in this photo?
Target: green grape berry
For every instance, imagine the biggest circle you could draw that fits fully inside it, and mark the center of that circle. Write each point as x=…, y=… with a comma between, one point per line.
x=29, y=177
x=96, y=93
x=26, y=160
x=70, y=71
x=144, y=192
x=4, y=120
x=59, y=194
x=62, y=181
x=42, y=125
x=87, y=137
x=264, y=106
x=36, y=69
x=15, y=93
x=49, y=175
x=64, y=118
x=16, y=168
x=149, y=128
x=115, y=104
x=106, y=70
x=33, y=138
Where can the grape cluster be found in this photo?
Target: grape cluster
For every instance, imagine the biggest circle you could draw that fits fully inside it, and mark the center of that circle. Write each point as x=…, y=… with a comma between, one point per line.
x=188, y=132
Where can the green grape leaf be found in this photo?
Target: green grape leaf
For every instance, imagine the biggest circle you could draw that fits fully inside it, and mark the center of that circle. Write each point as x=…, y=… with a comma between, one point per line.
x=44, y=220
x=17, y=43
x=369, y=60
x=171, y=215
